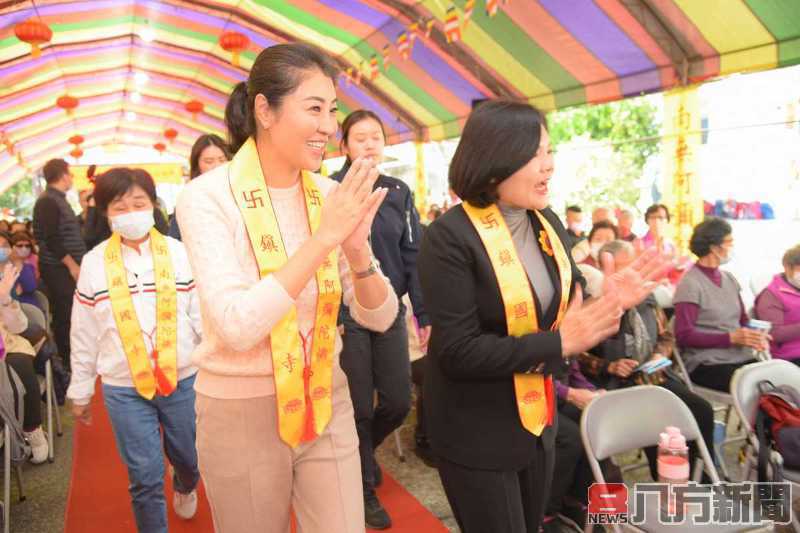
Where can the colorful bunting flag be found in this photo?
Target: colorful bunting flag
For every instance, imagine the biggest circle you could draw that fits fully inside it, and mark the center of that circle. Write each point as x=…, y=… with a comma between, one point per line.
x=452, y=30
x=429, y=27
x=469, y=7
x=402, y=45
x=386, y=57
x=359, y=71
x=373, y=67
x=491, y=7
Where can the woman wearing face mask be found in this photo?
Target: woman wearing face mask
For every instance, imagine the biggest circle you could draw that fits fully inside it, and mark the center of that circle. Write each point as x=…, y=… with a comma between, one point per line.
x=506, y=305
x=779, y=304
x=602, y=233
x=380, y=362
x=18, y=250
x=710, y=318
x=135, y=323
x=275, y=248
x=208, y=152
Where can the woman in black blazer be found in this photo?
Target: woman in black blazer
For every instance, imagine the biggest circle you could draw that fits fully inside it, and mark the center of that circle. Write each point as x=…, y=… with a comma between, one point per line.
x=481, y=381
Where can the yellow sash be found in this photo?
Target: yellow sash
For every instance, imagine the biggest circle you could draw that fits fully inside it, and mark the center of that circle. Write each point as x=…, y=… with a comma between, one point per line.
x=534, y=393
x=164, y=377
x=304, y=387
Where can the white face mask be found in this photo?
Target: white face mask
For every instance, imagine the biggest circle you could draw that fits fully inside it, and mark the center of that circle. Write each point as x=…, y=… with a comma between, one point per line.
x=134, y=225
x=726, y=259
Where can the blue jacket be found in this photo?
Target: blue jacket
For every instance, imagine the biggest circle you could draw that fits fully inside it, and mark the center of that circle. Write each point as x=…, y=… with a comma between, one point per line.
x=395, y=239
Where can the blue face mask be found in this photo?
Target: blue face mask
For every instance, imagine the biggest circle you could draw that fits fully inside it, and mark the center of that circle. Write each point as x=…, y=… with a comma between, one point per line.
x=4, y=253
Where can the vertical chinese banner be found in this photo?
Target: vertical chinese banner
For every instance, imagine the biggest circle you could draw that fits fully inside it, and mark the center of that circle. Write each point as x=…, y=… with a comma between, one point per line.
x=680, y=144
x=421, y=188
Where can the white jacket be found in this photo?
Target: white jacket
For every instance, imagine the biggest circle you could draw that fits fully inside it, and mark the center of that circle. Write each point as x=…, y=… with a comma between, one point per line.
x=96, y=345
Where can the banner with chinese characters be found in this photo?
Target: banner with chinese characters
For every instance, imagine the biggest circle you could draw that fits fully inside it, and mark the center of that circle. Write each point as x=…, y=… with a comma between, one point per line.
x=680, y=148
x=160, y=172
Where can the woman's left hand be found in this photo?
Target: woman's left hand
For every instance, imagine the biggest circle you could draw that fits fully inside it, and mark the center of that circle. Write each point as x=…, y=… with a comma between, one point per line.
x=635, y=282
x=356, y=243
x=10, y=277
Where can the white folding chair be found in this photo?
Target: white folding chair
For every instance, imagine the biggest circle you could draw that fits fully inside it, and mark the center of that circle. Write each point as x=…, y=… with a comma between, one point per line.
x=631, y=418
x=35, y=316
x=744, y=389
x=721, y=402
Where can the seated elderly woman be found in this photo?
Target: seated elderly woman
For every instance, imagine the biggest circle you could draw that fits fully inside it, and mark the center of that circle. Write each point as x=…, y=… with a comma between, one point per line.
x=710, y=317
x=602, y=233
x=779, y=304
x=643, y=337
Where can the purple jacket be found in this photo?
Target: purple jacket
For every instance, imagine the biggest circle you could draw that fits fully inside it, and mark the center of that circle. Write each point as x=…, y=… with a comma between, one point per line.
x=779, y=303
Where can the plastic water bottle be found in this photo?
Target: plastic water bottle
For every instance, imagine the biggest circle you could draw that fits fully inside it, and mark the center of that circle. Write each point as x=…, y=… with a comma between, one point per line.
x=673, y=463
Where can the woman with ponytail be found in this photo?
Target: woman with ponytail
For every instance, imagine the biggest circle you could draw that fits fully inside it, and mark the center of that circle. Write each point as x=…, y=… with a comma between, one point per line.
x=274, y=249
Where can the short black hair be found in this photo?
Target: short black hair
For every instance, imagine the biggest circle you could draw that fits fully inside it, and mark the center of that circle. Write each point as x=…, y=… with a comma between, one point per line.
x=54, y=169
x=574, y=209
x=499, y=138
x=604, y=224
x=710, y=232
x=653, y=209
x=116, y=182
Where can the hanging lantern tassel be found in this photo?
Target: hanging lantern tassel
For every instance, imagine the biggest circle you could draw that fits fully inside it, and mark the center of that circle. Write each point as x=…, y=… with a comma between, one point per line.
x=429, y=27
x=373, y=68
x=235, y=43
x=402, y=45
x=491, y=7
x=194, y=107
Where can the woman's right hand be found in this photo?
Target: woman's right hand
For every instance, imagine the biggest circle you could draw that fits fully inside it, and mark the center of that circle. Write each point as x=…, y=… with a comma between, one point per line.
x=82, y=413
x=347, y=205
x=585, y=326
x=749, y=338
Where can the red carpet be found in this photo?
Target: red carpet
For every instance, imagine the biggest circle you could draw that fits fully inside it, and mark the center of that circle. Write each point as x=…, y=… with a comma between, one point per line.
x=98, y=500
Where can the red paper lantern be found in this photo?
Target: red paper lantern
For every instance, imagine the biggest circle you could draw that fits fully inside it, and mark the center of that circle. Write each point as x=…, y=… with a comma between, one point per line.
x=67, y=103
x=194, y=107
x=170, y=133
x=77, y=153
x=35, y=33
x=76, y=140
x=160, y=147
x=234, y=42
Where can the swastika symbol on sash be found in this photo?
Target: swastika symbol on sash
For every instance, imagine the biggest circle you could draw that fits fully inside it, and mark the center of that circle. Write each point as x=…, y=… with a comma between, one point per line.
x=521, y=310
x=113, y=256
x=506, y=258
x=161, y=249
x=254, y=200
x=532, y=397
x=327, y=263
x=313, y=197
x=167, y=344
x=490, y=222
x=268, y=243
x=164, y=273
x=289, y=363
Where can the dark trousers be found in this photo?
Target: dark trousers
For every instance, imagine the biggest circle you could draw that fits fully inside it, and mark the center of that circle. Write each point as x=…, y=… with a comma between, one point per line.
x=491, y=501
x=31, y=397
x=717, y=377
x=703, y=413
x=376, y=362
x=61, y=288
x=573, y=475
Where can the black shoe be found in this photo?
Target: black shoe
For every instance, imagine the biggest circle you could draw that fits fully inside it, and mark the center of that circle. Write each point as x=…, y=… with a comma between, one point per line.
x=425, y=453
x=375, y=516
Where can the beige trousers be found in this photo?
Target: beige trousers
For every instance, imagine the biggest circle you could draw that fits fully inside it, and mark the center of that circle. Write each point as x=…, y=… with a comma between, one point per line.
x=254, y=481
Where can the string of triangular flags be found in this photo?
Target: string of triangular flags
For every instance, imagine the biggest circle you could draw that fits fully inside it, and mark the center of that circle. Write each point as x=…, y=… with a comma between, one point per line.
x=404, y=43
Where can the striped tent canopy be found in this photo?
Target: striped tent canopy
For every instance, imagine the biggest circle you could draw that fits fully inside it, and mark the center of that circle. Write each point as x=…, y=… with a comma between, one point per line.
x=420, y=64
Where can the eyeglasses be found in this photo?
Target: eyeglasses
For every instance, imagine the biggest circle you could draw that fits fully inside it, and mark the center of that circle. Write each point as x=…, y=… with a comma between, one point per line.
x=28, y=246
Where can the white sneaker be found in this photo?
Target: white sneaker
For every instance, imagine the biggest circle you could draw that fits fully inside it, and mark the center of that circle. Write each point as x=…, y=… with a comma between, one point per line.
x=185, y=505
x=39, y=447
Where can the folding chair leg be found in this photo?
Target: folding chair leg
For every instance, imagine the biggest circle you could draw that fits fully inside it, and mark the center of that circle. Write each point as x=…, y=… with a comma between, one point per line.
x=399, y=445
x=20, y=488
x=6, y=480
x=48, y=378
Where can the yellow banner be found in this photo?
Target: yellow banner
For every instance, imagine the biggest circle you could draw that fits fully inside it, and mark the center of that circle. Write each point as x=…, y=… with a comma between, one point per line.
x=160, y=172
x=680, y=146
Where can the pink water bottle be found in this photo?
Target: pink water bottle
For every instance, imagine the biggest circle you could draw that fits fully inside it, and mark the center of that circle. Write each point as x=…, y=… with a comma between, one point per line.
x=673, y=462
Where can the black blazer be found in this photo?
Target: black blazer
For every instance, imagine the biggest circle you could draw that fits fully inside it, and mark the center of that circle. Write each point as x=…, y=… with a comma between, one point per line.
x=470, y=405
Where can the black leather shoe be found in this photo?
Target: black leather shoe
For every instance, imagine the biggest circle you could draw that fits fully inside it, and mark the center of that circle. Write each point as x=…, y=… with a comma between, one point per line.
x=375, y=516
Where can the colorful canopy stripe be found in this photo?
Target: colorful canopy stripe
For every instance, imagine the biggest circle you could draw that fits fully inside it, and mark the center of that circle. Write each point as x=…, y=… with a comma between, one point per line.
x=553, y=53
